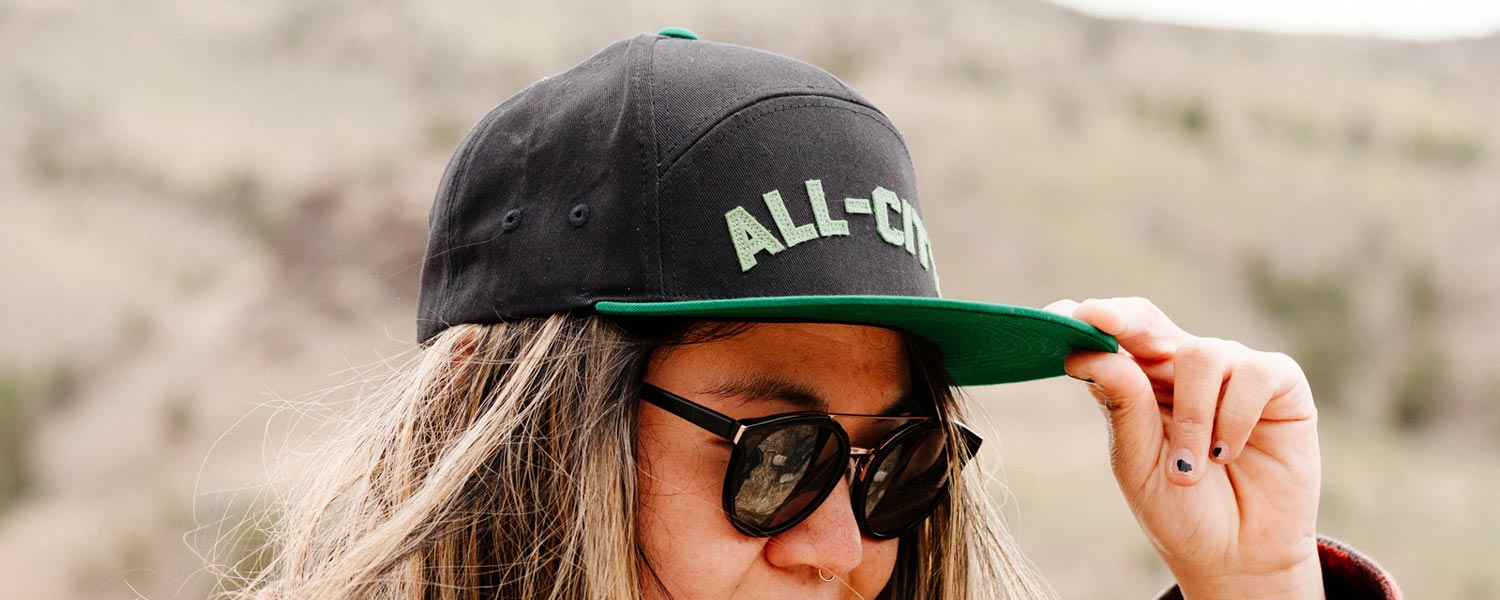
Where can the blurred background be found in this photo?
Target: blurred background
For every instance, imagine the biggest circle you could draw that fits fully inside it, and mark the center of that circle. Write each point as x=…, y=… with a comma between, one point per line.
x=212, y=215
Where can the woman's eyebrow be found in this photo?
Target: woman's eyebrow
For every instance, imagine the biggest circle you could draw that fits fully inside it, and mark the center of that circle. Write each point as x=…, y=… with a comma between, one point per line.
x=800, y=395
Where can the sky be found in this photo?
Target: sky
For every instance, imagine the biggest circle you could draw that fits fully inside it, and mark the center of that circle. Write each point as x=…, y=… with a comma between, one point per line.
x=1404, y=19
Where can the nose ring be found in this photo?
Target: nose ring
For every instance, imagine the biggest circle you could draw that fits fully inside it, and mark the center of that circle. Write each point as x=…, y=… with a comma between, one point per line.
x=825, y=578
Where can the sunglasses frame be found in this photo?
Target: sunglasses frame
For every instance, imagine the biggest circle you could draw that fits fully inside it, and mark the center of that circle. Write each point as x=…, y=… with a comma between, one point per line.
x=734, y=430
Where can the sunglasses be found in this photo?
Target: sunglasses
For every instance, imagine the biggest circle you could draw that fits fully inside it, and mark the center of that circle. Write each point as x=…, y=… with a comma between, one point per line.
x=783, y=466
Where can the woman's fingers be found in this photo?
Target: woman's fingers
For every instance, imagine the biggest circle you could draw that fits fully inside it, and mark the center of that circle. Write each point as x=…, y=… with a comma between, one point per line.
x=1155, y=349
x=1062, y=307
x=1261, y=385
x=1142, y=329
x=1236, y=425
x=1202, y=365
x=1251, y=385
x=1214, y=391
x=1125, y=394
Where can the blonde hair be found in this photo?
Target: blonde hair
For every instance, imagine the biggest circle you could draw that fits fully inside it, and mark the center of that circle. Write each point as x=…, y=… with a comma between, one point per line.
x=500, y=463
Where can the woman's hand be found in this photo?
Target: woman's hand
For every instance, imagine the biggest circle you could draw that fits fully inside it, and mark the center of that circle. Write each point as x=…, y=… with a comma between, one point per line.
x=1215, y=447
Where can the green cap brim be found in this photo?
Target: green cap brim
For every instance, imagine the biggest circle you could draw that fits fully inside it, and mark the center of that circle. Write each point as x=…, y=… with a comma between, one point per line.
x=982, y=343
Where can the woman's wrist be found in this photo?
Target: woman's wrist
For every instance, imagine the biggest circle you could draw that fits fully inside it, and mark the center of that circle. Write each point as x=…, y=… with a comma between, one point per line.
x=1304, y=580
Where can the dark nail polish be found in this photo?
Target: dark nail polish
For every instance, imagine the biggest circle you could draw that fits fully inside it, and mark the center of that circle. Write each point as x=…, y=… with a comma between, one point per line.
x=1218, y=451
x=1183, y=461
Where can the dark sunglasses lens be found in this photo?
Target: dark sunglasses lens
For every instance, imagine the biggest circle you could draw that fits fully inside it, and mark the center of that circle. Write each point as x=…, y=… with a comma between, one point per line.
x=905, y=481
x=783, y=472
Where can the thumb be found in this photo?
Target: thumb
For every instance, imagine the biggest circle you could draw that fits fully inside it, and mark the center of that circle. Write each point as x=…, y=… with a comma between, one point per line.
x=1135, y=423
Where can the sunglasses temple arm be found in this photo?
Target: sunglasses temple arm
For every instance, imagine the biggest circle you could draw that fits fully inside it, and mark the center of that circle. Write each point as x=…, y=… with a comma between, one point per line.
x=972, y=440
x=702, y=416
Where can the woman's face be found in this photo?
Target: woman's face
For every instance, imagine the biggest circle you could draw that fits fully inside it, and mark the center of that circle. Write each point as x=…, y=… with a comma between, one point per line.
x=691, y=545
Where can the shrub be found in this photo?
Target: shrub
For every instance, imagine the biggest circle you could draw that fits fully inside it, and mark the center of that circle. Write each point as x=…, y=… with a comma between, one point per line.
x=1193, y=117
x=177, y=418
x=1454, y=146
x=60, y=386
x=1420, y=390
x=1318, y=314
x=17, y=432
x=241, y=197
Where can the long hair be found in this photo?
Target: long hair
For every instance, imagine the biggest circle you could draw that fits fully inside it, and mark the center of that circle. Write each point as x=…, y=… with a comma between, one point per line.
x=500, y=463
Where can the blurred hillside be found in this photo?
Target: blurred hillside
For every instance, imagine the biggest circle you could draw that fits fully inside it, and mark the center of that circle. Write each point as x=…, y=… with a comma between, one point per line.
x=212, y=212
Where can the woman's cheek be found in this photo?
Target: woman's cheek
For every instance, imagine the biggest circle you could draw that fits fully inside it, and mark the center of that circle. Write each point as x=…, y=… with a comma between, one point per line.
x=684, y=534
x=874, y=572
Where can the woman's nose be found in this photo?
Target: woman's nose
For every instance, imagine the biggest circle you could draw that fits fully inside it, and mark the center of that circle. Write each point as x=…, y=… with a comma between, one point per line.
x=829, y=539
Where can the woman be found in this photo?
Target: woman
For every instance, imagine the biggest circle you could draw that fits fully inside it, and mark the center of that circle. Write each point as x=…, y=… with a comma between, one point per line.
x=683, y=339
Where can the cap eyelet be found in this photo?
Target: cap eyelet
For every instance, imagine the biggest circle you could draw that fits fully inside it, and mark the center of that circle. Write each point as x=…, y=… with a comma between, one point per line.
x=511, y=220
x=579, y=215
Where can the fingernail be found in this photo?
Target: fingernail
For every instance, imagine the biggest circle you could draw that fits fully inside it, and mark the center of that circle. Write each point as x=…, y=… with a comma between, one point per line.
x=1182, y=461
x=1220, y=448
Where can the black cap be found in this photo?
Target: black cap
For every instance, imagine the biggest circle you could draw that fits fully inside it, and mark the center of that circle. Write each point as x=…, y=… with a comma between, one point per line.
x=667, y=175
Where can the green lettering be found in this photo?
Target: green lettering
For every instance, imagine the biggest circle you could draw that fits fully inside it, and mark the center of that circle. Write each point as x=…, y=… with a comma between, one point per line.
x=857, y=206
x=885, y=202
x=907, y=216
x=749, y=236
x=827, y=226
x=793, y=234
x=924, y=246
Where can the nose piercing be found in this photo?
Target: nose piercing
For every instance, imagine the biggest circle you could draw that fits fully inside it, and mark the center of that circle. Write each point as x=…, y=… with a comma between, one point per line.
x=825, y=578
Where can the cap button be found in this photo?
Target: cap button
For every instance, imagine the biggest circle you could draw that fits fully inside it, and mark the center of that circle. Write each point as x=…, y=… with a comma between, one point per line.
x=678, y=32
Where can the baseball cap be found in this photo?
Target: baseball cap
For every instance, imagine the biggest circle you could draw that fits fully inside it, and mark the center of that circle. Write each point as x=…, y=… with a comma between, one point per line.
x=668, y=176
